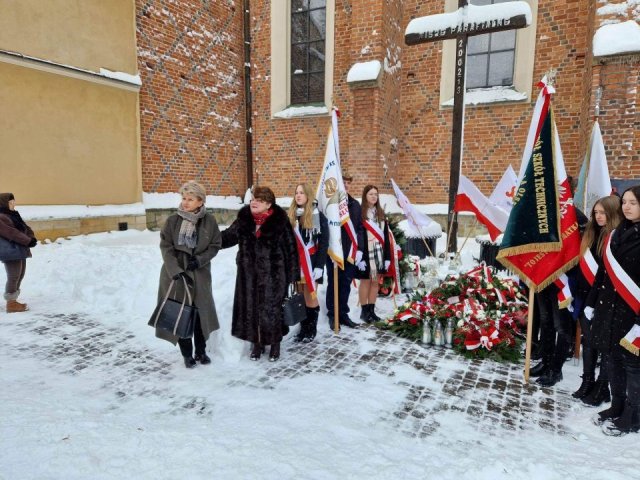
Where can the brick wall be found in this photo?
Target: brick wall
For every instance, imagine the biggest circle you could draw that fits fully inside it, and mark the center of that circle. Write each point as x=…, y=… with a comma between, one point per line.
x=190, y=59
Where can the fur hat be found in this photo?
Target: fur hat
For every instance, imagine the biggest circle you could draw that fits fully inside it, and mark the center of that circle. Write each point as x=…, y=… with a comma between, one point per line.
x=193, y=188
x=5, y=198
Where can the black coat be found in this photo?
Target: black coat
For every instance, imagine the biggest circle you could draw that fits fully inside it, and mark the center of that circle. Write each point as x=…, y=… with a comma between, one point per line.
x=355, y=214
x=613, y=318
x=366, y=273
x=319, y=236
x=266, y=264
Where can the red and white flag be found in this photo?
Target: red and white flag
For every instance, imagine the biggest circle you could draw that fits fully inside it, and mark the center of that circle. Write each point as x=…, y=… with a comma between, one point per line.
x=470, y=199
x=505, y=190
x=564, y=292
x=332, y=196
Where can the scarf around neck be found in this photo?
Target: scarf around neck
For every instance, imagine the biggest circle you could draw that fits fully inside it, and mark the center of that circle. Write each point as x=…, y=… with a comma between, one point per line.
x=188, y=236
x=15, y=218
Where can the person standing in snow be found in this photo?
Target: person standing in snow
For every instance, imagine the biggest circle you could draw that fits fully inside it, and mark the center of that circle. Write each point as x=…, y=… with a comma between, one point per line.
x=312, y=236
x=188, y=241
x=613, y=305
x=267, y=263
x=605, y=216
x=376, y=254
x=13, y=228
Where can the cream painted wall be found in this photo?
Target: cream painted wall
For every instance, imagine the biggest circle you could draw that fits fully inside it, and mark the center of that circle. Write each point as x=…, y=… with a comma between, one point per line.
x=67, y=141
x=87, y=34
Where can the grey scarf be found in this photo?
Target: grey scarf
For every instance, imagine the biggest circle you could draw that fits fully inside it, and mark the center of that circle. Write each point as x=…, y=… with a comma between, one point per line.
x=188, y=235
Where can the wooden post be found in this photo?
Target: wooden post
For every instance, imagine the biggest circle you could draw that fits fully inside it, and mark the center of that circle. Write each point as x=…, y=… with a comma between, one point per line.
x=576, y=349
x=527, y=357
x=336, y=300
x=450, y=27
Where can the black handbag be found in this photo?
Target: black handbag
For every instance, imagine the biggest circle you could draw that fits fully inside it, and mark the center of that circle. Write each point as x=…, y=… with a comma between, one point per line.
x=176, y=318
x=10, y=251
x=293, y=308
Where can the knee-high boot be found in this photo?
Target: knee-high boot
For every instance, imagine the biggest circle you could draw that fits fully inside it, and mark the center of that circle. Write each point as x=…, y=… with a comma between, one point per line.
x=312, y=323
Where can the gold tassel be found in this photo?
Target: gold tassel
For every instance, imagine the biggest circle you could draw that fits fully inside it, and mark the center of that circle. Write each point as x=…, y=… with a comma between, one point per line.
x=627, y=345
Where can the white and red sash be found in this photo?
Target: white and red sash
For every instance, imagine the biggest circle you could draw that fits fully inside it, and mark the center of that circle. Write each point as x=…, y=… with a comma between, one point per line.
x=589, y=266
x=564, y=292
x=375, y=230
x=351, y=232
x=306, y=268
x=623, y=283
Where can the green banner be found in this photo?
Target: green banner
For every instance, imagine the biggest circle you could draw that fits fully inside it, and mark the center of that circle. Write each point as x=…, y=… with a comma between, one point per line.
x=534, y=222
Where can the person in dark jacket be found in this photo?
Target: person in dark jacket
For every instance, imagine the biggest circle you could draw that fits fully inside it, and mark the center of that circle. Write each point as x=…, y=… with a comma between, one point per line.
x=376, y=254
x=605, y=216
x=189, y=240
x=267, y=263
x=346, y=276
x=614, y=309
x=14, y=229
x=312, y=237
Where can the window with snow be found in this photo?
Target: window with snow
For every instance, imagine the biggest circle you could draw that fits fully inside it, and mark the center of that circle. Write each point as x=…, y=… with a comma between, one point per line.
x=308, y=33
x=490, y=57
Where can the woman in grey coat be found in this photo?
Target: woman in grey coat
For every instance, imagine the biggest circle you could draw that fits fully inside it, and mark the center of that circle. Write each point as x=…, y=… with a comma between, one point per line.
x=188, y=241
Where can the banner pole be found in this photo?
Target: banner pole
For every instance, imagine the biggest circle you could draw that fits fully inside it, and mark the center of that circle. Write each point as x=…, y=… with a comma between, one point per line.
x=527, y=358
x=576, y=350
x=336, y=300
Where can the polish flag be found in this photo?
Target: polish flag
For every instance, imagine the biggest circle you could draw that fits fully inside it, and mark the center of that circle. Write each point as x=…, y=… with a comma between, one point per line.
x=470, y=199
x=503, y=194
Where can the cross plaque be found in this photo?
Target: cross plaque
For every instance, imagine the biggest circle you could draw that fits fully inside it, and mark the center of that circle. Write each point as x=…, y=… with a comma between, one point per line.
x=467, y=21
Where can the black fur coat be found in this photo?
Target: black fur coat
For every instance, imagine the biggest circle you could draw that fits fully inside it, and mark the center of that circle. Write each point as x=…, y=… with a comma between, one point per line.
x=266, y=266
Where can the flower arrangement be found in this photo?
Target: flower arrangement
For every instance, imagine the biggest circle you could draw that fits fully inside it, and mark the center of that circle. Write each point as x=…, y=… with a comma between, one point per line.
x=488, y=314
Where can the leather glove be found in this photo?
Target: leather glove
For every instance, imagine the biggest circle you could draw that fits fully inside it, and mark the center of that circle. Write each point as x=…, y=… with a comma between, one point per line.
x=184, y=275
x=387, y=263
x=358, y=257
x=361, y=265
x=33, y=243
x=193, y=264
x=588, y=313
x=317, y=273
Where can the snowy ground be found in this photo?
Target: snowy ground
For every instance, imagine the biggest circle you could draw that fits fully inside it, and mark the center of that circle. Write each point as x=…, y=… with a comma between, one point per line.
x=89, y=393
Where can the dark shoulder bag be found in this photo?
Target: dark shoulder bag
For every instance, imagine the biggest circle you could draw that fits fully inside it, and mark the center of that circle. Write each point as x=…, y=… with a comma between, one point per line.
x=294, y=308
x=176, y=318
x=10, y=251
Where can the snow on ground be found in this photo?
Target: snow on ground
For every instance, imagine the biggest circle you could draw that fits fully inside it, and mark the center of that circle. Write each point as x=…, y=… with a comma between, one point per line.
x=59, y=422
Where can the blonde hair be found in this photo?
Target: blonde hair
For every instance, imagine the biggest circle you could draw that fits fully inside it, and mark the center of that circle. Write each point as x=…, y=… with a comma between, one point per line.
x=306, y=220
x=595, y=233
x=193, y=188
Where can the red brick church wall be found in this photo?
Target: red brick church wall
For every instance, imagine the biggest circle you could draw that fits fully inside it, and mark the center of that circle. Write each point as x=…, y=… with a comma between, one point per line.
x=191, y=61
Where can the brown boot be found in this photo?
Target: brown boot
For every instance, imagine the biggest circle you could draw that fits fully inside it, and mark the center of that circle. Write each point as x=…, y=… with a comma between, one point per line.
x=15, y=306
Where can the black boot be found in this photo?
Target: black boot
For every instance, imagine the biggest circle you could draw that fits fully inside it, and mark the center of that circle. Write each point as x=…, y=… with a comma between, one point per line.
x=304, y=328
x=312, y=319
x=346, y=321
x=539, y=369
x=364, y=313
x=627, y=422
x=274, y=352
x=550, y=378
x=588, y=381
x=599, y=394
x=372, y=313
x=202, y=358
x=256, y=350
x=189, y=362
x=614, y=411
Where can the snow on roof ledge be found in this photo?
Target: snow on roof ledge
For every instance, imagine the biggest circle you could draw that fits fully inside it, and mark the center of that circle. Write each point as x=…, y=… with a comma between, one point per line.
x=301, y=112
x=617, y=38
x=471, y=14
x=364, y=71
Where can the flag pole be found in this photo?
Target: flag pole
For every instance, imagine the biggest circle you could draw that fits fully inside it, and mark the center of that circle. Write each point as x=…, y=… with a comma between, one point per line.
x=576, y=350
x=336, y=302
x=449, y=232
x=469, y=230
x=527, y=358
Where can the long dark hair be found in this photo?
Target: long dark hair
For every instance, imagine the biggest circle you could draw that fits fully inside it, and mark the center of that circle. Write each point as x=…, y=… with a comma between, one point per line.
x=595, y=233
x=636, y=193
x=365, y=204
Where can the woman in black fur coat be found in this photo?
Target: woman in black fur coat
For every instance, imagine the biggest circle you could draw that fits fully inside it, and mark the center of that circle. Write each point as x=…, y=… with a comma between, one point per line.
x=267, y=263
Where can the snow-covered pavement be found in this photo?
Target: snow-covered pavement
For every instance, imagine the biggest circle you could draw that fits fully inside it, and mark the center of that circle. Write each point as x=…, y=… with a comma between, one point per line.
x=89, y=392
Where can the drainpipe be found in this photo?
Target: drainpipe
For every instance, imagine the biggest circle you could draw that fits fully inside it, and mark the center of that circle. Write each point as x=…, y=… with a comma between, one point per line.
x=247, y=93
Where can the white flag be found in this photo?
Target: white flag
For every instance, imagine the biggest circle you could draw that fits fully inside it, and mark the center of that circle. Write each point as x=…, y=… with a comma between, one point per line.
x=332, y=196
x=416, y=219
x=503, y=194
x=598, y=182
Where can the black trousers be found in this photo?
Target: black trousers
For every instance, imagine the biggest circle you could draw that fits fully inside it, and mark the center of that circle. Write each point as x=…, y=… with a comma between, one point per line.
x=345, y=277
x=589, y=350
x=186, y=345
x=624, y=375
x=555, y=328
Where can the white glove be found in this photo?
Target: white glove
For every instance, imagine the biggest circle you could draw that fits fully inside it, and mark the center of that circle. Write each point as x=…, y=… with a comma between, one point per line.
x=361, y=265
x=358, y=257
x=386, y=264
x=588, y=313
x=317, y=273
